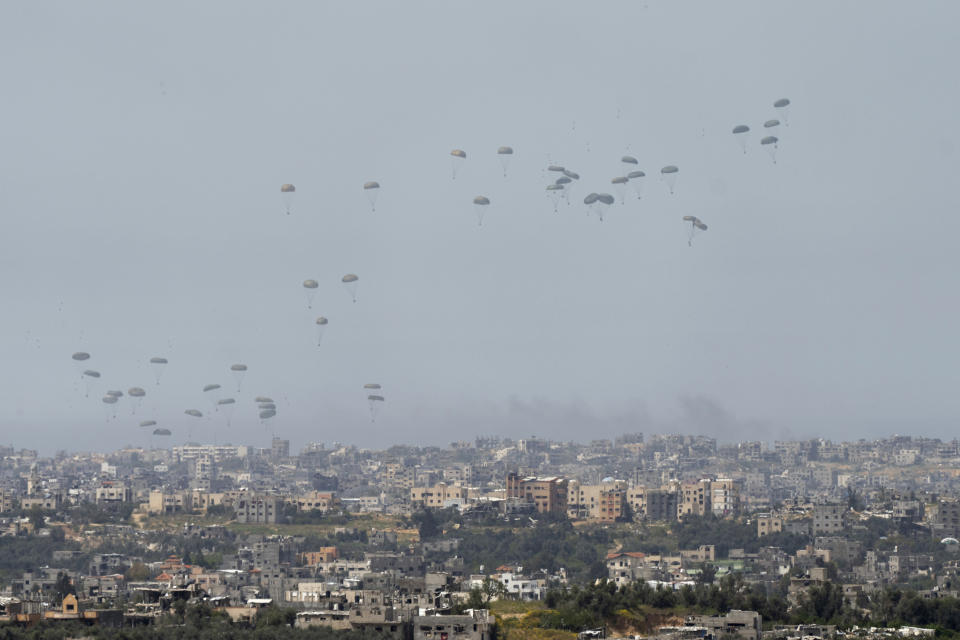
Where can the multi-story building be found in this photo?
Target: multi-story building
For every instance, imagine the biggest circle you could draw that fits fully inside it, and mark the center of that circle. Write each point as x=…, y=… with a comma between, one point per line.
x=548, y=495
x=438, y=496
x=694, y=499
x=6, y=500
x=767, y=524
x=258, y=509
x=321, y=501
x=829, y=518
x=725, y=496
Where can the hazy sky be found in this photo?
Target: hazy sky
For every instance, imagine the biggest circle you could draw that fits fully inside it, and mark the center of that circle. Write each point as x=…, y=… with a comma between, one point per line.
x=142, y=147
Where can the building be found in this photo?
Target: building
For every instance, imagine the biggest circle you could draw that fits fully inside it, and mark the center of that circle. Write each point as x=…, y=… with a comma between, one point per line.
x=258, y=509
x=694, y=499
x=475, y=625
x=725, y=497
x=320, y=501
x=829, y=518
x=746, y=625
x=767, y=524
x=439, y=496
x=548, y=495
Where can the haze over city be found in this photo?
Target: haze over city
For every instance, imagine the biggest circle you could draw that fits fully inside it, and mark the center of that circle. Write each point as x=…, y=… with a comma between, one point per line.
x=144, y=147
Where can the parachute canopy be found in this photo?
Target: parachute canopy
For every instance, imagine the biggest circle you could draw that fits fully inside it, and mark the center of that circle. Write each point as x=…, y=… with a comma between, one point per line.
x=148, y=423
x=505, y=151
x=636, y=174
x=629, y=160
x=741, y=128
x=161, y=432
x=573, y=175
x=562, y=180
x=238, y=367
x=136, y=392
x=226, y=401
x=619, y=180
x=458, y=153
x=669, y=169
x=349, y=278
x=158, y=361
x=310, y=284
x=375, y=398
x=322, y=321
x=481, y=200
x=373, y=184
x=211, y=387
x=80, y=356
x=287, y=188
x=262, y=399
x=372, y=385
x=194, y=413
x=782, y=103
x=109, y=399
x=556, y=167
x=605, y=198
x=90, y=373
x=769, y=124
x=115, y=394
x=591, y=198
x=770, y=140
x=266, y=414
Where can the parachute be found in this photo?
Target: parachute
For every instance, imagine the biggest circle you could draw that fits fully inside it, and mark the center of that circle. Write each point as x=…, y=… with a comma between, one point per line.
x=158, y=365
x=620, y=184
x=669, y=175
x=90, y=378
x=238, y=371
x=557, y=168
x=262, y=399
x=267, y=414
x=115, y=394
x=372, y=385
x=110, y=406
x=771, y=127
x=770, y=143
x=372, y=188
x=783, y=108
x=78, y=359
x=629, y=160
x=321, y=324
x=310, y=287
x=161, y=432
x=457, y=158
x=695, y=225
x=228, y=405
x=375, y=403
x=742, y=132
x=636, y=181
x=603, y=202
x=350, y=283
x=573, y=175
x=480, y=204
x=286, y=194
x=136, y=395
x=212, y=392
x=504, y=154
x=148, y=423
x=194, y=413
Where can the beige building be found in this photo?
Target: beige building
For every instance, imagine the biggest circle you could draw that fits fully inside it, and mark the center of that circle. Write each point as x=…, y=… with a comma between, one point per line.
x=767, y=523
x=438, y=496
x=694, y=498
x=548, y=495
x=321, y=501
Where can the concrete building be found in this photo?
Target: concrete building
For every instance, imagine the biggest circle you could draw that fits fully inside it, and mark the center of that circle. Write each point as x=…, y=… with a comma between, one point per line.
x=548, y=495
x=258, y=509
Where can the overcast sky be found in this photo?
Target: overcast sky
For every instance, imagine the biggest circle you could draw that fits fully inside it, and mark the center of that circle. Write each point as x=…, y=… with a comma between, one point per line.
x=143, y=145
